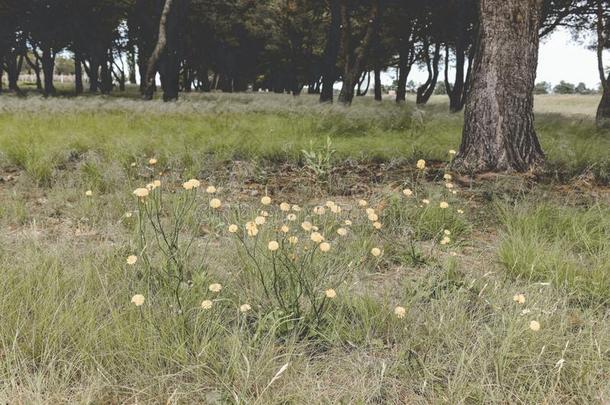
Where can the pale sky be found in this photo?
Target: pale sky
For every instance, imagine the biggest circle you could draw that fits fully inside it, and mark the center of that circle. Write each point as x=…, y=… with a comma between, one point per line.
x=560, y=58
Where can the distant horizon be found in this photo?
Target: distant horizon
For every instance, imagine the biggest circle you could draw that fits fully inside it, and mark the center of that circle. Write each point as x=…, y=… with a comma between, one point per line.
x=559, y=58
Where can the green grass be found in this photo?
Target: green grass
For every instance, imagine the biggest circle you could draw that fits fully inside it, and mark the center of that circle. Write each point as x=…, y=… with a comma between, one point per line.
x=567, y=246
x=69, y=334
x=41, y=135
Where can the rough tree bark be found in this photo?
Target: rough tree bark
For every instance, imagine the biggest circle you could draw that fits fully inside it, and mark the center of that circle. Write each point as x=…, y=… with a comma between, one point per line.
x=353, y=62
x=602, y=118
x=331, y=52
x=498, y=132
x=153, y=61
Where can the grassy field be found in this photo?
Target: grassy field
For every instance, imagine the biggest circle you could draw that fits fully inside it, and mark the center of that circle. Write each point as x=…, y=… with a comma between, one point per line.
x=364, y=279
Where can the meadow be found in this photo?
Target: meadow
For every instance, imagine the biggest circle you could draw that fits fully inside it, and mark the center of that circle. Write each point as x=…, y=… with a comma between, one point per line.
x=260, y=248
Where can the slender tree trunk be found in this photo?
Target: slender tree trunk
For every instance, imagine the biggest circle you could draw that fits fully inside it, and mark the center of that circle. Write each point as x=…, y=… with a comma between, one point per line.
x=602, y=117
x=353, y=62
x=131, y=65
x=377, y=84
x=499, y=130
x=425, y=91
x=331, y=52
x=78, y=73
x=456, y=91
x=12, y=71
x=48, y=67
x=153, y=61
x=404, y=68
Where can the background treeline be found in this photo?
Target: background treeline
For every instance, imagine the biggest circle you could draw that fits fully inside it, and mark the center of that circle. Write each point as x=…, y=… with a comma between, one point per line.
x=275, y=45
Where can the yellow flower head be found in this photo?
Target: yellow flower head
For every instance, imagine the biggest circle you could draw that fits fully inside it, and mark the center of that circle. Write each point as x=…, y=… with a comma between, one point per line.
x=444, y=205
x=206, y=304
x=335, y=209
x=244, y=308
x=347, y=222
x=449, y=185
x=88, y=193
x=452, y=152
x=324, y=247
x=215, y=203
x=232, y=228
x=317, y=237
x=377, y=225
x=519, y=298
x=251, y=228
x=447, y=232
x=215, y=287
x=140, y=192
x=191, y=184
x=445, y=240
x=447, y=176
x=373, y=217
x=296, y=208
x=293, y=240
x=330, y=293
x=137, y=300
x=319, y=210
x=376, y=252
x=421, y=164
x=369, y=211
x=535, y=326
x=285, y=206
x=273, y=246
x=342, y=231
x=425, y=201
x=400, y=312
x=266, y=200
x=132, y=259
x=152, y=161
x=362, y=203
x=260, y=220
x=210, y=190
x=306, y=226
x=460, y=211
x=284, y=229
x=407, y=192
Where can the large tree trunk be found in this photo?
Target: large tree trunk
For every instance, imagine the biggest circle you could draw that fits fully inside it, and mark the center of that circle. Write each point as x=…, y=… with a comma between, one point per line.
x=498, y=132
x=331, y=52
x=602, y=118
x=153, y=61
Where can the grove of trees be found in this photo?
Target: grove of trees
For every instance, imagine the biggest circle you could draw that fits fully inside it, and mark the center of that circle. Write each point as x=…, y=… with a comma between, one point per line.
x=486, y=49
